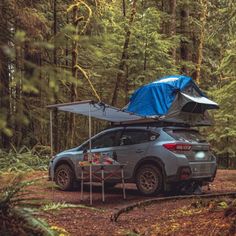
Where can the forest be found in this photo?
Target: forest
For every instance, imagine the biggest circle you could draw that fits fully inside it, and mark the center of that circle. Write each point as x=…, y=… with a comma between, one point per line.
x=59, y=51
x=63, y=51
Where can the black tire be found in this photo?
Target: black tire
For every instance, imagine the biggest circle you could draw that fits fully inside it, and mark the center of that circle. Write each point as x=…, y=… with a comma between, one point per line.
x=64, y=177
x=149, y=180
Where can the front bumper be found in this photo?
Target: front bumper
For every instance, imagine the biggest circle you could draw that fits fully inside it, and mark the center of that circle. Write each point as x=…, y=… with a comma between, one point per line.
x=50, y=172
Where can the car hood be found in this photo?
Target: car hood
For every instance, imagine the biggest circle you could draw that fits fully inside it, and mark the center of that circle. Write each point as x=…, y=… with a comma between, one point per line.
x=68, y=151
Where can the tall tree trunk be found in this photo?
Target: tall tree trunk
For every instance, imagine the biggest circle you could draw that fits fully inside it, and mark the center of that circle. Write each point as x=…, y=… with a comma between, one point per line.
x=4, y=76
x=5, y=96
x=184, y=45
x=203, y=16
x=145, y=54
x=18, y=100
x=127, y=84
x=172, y=25
x=124, y=8
x=31, y=100
x=66, y=117
x=55, y=118
x=73, y=88
x=124, y=56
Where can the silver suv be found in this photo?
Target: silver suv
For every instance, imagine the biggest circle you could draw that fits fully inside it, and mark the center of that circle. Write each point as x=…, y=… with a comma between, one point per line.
x=156, y=158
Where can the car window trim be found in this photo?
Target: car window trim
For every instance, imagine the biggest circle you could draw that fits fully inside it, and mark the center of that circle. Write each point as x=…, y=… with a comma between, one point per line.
x=139, y=129
x=103, y=133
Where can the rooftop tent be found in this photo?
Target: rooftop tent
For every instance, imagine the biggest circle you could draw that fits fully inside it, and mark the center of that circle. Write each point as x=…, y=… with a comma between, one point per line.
x=97, y=110
x=172, y=98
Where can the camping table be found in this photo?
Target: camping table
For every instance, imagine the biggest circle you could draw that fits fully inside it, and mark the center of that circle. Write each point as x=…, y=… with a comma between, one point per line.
x=90, y=172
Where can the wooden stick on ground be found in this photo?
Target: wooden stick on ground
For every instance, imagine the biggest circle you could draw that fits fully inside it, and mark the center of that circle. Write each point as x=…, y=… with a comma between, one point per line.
x=128, y=208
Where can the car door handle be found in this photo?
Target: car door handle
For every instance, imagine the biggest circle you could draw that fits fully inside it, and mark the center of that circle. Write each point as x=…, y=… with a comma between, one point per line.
x=139, y=151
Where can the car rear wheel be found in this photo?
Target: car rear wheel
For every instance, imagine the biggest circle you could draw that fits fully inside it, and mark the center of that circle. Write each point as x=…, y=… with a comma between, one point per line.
x=64, y=177
x=149, y=180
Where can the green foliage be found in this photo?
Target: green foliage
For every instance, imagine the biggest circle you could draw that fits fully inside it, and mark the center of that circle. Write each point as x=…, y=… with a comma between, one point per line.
x=23, y=160
x=3, y=125
x=149, y=50
x=17, y=211
x=58, y=206
x=223, y=134
x=220, y=41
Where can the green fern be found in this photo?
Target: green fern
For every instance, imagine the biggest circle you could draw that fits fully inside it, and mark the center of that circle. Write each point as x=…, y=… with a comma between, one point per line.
x=18, y=210
x=23, y=160
x=58, y=206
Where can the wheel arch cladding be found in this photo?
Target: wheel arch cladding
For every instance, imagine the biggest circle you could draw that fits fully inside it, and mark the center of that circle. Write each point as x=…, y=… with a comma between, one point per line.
x=151, y=160
x=65, y=162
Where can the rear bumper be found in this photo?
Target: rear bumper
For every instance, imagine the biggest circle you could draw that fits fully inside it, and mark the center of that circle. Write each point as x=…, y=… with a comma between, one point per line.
x=202, y=172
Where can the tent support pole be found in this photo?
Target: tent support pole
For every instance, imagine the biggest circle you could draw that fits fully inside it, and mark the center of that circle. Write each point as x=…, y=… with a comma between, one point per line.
x=51, y=132
x=90, y=157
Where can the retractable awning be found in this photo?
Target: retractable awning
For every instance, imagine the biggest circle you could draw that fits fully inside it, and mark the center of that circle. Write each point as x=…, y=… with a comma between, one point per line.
x=97, y=110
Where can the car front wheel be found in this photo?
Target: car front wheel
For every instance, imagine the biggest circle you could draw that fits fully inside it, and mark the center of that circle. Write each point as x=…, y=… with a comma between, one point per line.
x=64, y=177
x=149, y=180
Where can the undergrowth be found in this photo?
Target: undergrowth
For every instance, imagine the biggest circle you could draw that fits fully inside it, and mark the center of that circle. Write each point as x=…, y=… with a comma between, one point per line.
x=22, y=160
x=52, y=206
x=19, y=211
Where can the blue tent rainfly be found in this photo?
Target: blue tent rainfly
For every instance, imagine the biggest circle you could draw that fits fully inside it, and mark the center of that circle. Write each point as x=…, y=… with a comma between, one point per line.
x=158, y=97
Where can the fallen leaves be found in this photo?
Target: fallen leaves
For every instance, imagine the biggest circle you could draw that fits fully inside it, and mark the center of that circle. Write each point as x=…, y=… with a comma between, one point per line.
x=180, y=217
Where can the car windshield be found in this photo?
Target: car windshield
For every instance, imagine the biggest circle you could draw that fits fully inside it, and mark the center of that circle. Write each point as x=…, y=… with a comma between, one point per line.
x=189, y=135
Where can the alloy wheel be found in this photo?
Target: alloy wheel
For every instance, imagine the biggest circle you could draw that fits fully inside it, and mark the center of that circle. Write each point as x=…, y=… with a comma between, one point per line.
x=148, y=181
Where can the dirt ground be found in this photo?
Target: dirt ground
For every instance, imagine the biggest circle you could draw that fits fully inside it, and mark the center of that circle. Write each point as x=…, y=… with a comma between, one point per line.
x=179, y=217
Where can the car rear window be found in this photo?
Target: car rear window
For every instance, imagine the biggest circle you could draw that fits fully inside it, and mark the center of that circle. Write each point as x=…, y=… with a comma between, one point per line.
x=130, y=137
x=189, y=135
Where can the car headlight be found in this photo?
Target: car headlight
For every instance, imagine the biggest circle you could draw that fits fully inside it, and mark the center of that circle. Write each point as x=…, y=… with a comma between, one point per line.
x=53, y=157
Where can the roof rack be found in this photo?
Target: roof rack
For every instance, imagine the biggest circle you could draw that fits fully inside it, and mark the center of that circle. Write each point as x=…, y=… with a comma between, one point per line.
x=150, y=123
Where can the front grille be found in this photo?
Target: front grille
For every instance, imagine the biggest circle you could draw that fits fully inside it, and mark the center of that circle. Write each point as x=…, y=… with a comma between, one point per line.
x=202, y=169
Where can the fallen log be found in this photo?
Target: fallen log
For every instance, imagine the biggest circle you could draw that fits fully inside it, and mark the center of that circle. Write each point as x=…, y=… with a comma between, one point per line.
x=114, y=217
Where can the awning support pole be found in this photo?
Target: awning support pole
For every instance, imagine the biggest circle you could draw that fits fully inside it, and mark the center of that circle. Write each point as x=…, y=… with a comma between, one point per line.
x=51, y=132
x=90, y=157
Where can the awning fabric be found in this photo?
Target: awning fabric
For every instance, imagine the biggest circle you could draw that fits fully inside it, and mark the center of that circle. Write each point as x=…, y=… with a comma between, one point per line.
x=97, y=110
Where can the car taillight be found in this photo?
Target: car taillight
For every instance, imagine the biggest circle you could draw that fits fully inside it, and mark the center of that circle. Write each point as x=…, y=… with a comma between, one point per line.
x=177, y=146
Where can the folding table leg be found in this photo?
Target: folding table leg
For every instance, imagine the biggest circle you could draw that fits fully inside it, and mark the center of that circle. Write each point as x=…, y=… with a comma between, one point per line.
x=103, y=192
x=123, y=182
x=53, y=192
x=91, y=184
x=82, y=185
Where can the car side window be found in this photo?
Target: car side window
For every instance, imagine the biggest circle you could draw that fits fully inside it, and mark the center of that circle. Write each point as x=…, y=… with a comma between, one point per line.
x=109, y=139
x=131, y=137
